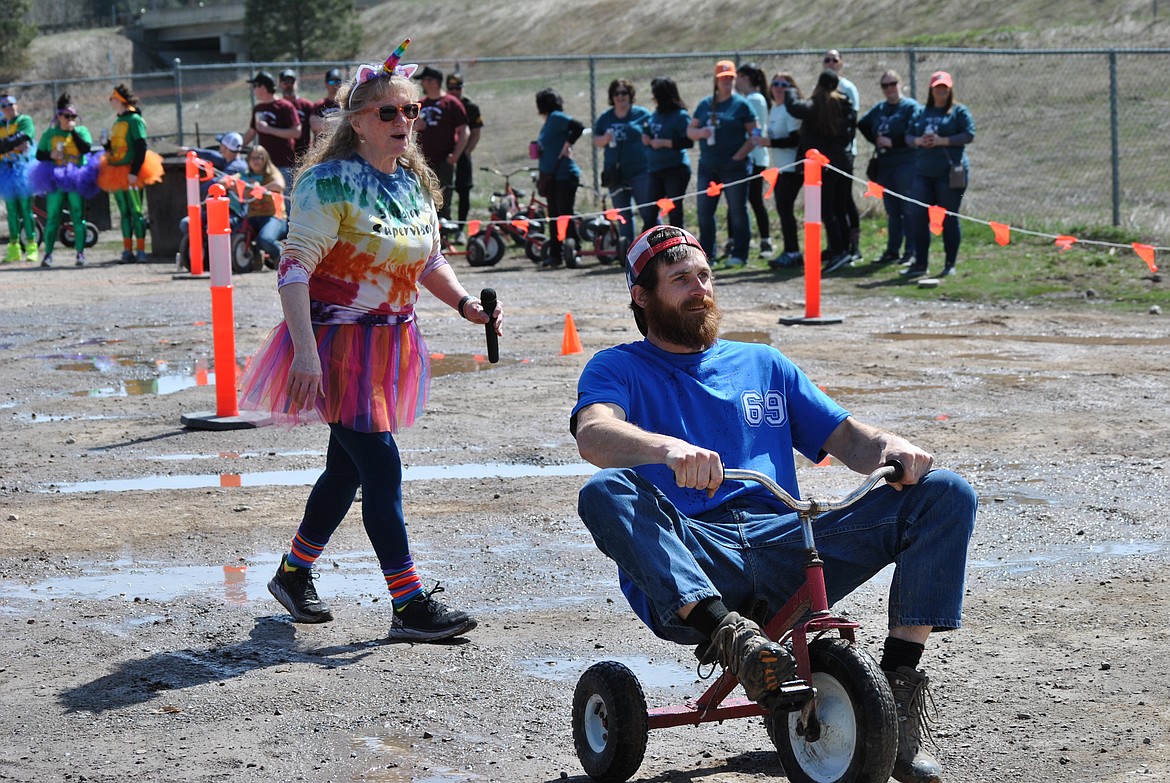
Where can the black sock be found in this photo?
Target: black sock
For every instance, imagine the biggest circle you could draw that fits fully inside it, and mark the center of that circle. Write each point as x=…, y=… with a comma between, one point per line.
x=706, y=616
x=899, y=652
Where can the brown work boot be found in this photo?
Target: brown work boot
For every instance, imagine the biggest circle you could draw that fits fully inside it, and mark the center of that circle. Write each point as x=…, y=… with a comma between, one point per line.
x=913, y=765
x=760, y=665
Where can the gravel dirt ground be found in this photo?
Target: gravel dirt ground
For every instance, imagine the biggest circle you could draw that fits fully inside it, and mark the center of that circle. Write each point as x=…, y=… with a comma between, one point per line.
x=138, y=641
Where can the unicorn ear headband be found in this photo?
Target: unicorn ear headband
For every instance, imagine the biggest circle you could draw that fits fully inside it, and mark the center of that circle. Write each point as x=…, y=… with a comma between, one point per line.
x=367, y=73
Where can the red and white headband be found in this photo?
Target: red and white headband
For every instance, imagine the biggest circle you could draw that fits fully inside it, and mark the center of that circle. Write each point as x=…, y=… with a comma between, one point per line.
x=642, y=251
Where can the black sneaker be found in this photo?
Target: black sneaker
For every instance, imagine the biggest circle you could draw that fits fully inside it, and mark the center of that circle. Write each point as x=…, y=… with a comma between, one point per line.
x=838, y=261
x=888, y=257
x=294, y=589
x=426, y=620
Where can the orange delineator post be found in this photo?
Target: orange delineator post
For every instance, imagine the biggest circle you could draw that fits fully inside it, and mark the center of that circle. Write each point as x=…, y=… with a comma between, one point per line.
x=219, y=247
x=194, y=221
x=814, y=160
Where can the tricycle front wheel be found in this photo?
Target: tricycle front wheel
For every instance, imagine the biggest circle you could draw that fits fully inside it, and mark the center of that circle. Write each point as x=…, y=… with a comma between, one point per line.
x=854, y=738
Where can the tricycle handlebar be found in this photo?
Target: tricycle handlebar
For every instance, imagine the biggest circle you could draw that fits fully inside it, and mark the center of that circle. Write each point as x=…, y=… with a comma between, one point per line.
x=892, y=471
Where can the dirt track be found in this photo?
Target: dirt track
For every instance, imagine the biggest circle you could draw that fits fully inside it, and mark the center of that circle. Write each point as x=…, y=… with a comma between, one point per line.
x=132, y=645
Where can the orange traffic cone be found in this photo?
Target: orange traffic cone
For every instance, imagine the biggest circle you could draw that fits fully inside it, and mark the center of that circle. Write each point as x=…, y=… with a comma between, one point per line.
x=571, y=342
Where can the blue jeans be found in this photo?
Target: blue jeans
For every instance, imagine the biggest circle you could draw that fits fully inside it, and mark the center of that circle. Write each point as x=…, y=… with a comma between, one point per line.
x=745, y=552
x=671, y=183
x=937, y=191
x=269, y=232
x=900, y=180
x=636, y=190
x=368, y=460
x=737, y=215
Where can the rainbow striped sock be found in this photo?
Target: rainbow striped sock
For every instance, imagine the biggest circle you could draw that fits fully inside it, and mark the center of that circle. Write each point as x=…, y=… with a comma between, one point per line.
x=403, y=581
x=303, y=552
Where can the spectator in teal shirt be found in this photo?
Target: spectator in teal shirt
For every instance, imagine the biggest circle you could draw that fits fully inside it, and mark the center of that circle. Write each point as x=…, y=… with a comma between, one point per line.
x=885, y=125
x=665, y=136
x=940, y=131
x=723, y=123
x=625, y=170
x=560, y=176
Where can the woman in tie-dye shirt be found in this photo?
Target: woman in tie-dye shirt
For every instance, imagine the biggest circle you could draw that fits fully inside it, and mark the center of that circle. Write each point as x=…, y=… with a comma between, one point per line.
x=363, y=234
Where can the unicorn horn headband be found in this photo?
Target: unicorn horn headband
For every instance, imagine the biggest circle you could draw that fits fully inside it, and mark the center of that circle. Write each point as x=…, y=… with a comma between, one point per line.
x=389, y=68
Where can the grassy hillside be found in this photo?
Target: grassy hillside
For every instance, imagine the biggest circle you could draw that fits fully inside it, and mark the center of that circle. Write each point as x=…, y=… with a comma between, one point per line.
x=460, y=28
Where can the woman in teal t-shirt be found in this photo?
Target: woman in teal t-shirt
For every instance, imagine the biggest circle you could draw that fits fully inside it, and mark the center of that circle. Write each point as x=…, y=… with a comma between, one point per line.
x=665, y=137
x=619, y=131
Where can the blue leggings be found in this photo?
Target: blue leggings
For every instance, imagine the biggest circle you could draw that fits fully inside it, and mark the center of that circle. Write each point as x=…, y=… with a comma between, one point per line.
x=368, y=460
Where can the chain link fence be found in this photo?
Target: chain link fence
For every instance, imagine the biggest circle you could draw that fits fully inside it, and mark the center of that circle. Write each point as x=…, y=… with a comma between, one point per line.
x=1065, y=138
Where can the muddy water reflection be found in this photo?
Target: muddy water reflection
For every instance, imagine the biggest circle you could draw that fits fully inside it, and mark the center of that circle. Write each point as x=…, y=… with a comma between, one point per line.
x=309, y=476
x=1086, y=340
x=450, y=363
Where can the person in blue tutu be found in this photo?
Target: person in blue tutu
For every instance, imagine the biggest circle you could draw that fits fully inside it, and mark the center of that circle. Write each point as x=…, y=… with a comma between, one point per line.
x=16, y=141
x=65, y=174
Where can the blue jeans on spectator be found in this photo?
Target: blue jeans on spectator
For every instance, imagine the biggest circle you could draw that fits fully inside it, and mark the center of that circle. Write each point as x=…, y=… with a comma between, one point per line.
x=369, y=460
x=736, y=207
x=936, y=191
x=900, y=180
x=671, y=183
x=635, y=190
x=745, y=552
x=270, y=231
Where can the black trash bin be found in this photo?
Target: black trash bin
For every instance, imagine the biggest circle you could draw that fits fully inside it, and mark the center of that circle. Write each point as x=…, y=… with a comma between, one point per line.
x=166, y=204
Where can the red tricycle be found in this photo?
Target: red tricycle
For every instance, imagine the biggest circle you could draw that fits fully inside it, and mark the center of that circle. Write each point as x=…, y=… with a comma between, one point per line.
x=836, y=724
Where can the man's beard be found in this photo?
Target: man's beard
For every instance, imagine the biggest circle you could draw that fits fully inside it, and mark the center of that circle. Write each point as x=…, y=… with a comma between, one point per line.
x=696, y=329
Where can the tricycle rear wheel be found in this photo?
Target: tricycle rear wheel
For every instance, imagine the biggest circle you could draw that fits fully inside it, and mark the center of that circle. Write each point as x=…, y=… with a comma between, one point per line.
x=610, y=724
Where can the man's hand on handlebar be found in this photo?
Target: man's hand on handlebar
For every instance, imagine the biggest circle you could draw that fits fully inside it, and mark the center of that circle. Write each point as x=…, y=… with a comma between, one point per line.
x=915, y=462
x=695, y=467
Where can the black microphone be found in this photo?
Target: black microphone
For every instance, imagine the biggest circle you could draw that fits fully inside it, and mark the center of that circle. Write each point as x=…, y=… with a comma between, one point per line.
x=487, y=300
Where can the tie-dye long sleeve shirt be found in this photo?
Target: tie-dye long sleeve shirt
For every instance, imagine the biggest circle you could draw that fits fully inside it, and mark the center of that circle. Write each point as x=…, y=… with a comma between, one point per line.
x=361, y=240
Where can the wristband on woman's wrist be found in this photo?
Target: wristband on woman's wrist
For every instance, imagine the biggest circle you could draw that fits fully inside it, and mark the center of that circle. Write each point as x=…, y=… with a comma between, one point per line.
x=462, y=304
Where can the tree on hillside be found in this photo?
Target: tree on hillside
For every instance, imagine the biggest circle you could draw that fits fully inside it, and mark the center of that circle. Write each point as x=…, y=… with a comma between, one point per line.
x=15, y=36
x=318, y=30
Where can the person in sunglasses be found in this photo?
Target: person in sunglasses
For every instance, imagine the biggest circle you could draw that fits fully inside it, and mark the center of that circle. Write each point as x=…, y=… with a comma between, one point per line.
x=128, y=167
x=17, y=133
x=328, y=104
x=784, y=137
x=65, y=176
x=363, y=236
x=885, y=125
x=834, y=62
x=618, y=130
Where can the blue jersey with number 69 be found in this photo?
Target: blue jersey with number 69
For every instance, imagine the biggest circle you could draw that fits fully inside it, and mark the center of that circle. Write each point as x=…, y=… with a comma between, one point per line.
x=748, y=402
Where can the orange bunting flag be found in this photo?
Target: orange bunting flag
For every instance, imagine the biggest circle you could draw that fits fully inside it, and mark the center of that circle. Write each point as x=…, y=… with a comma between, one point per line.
x=875, y=190
x=665, y=206
x=1146, y=253
x=257, y=192
x=278, y=203
x=937, y=216
x=1003, y=233
x=521, y=224
x=816, y=156
x=770, y=176
x=613, y=216
x=714, y=189
x=472, y=228
x=208, y=169
x=1064, y=242
x=562, y=227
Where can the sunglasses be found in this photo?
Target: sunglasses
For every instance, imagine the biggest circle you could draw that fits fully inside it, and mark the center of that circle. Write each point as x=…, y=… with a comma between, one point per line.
x=832, y=60
x=389, y=113
x=780, y=83
x=6, y=105
x=67, y=116
x=888, y=84
x=333, y=82
x=616, y=93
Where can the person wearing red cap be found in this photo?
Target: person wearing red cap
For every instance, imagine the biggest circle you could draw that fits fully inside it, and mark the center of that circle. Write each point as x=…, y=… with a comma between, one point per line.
x=698, y=556
x=722, y=123
x=941, y=131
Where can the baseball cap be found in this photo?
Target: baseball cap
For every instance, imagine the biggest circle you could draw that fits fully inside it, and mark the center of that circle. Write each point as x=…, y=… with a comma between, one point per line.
x=429, y=73
x=289, y=74
x=941, y=77
x=454, y=80
x=232, y=140
x=333, y=75
x=263, y=78
x=642, y=251
x=724, y=68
